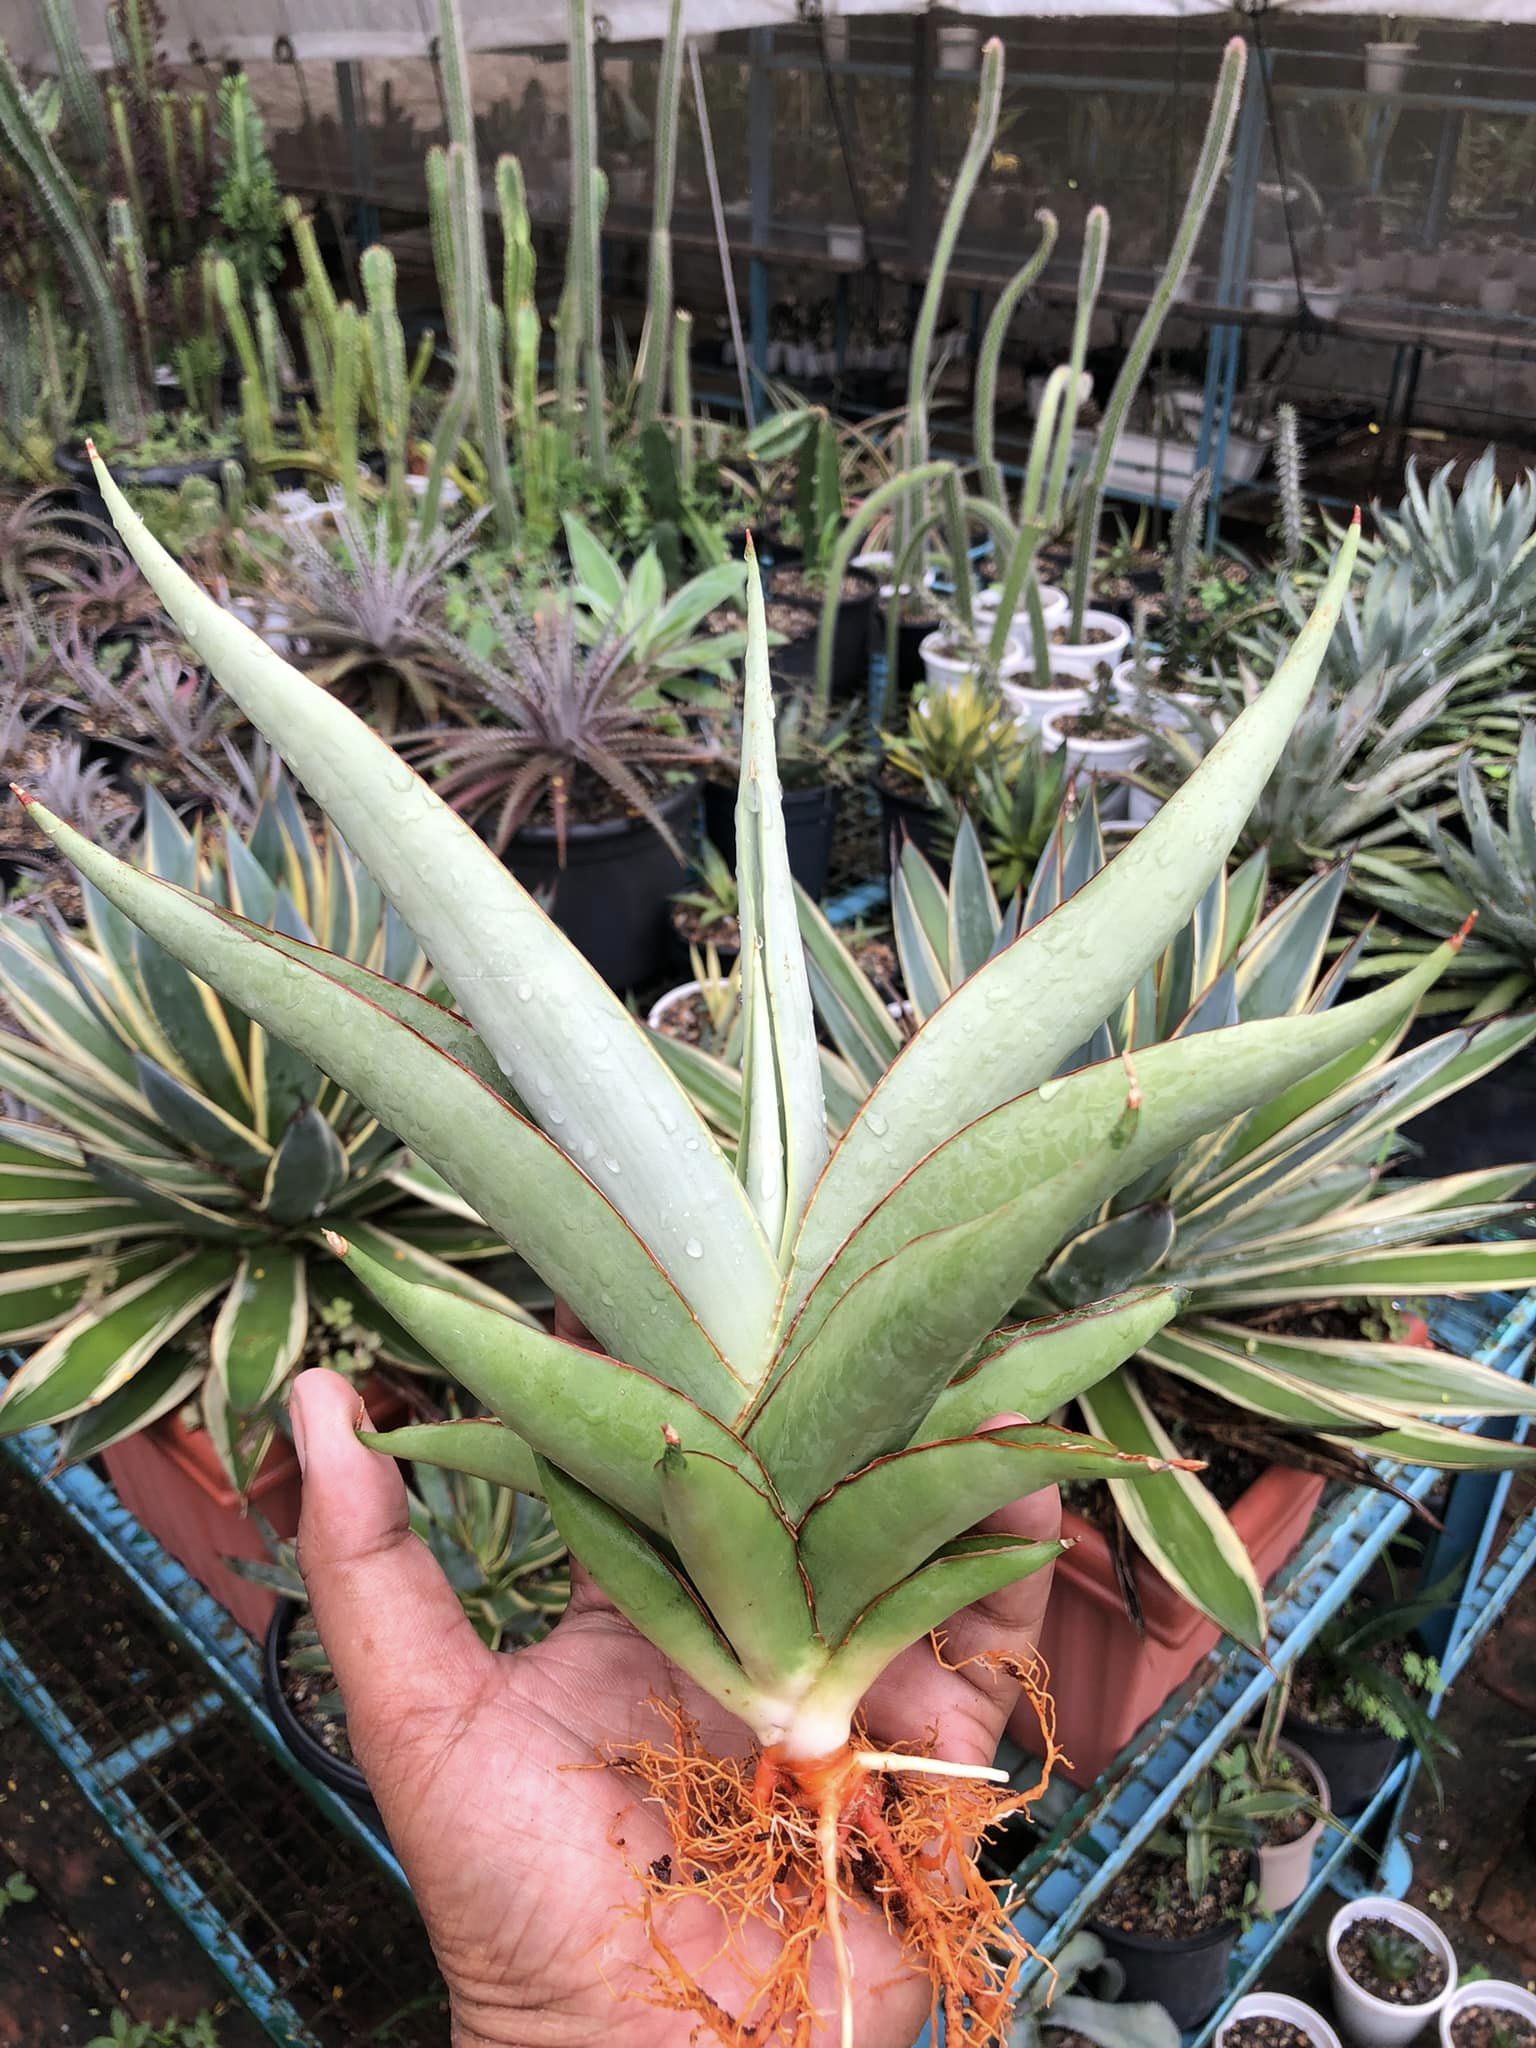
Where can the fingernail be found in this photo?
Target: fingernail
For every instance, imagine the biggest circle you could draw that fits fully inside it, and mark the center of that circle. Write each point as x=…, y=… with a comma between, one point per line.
x=296, y=1422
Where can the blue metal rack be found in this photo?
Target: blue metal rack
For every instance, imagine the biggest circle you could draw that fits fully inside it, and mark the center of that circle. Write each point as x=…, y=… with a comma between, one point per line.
x=1103, y=1831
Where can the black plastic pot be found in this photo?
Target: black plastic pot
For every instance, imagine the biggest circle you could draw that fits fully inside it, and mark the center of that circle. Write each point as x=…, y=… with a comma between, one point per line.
x=341, y=1777
x=1355, y=1761
x=851, y=637
x=908, y=817
x=610, y=898
x=810, y=818
x=792, y=664
x=169, y=476
x=1491, y=1122
x=1189, y=1977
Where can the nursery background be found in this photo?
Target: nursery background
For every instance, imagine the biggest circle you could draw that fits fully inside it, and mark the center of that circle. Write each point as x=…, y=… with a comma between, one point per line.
x=487, y=363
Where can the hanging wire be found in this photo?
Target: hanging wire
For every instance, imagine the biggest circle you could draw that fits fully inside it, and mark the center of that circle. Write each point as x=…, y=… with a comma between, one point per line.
x=1170, y=225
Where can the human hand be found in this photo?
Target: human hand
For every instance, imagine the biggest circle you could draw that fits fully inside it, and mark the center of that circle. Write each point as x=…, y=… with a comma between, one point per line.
x=520, y=1845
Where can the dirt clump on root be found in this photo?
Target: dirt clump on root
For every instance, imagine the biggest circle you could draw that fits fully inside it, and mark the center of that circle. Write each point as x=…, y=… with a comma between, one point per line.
x=789, y=1849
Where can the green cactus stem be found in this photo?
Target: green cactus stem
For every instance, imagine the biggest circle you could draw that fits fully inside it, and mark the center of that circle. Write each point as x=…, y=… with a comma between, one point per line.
x=650, y=363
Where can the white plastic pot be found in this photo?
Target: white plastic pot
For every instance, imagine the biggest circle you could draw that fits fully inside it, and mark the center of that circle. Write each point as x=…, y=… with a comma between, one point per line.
x=1054, y=604
x=1087, y=757
x=675, y=999
x=834, y=38
x=1424, y=273
x=1274, y=2005
x=1032, y=706
x=1495, y=1994
x=1272, y=295
x=1285, y=1867
x=1086, y=657
x=1498, y=294
x=1372, y=2022
x=845, y=244
x=959, y=46
x=1373, y=274
x=1386, y=65
x=945, y=668
x=1324, y=300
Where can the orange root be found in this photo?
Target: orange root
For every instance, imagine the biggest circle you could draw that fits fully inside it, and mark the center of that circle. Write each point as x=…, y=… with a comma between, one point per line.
x=785, y=1853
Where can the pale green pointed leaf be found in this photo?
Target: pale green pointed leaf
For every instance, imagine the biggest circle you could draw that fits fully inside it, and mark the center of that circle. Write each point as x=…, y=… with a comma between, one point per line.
x=1008, y=1027
x=1417, y=1271
x=519, y=1181
x=1034, y=1369
x=784, y=1144
x=1175, y=1520
x=1380, y=1376
x=647, y=1591
x=880, y=1525
x=480, y=1446
x=739, y=1553
x=569, y=1045
x=855, y=1015
x=36, y=1300
x=605, y=1421
x=258, y=1334
x=171, y=1377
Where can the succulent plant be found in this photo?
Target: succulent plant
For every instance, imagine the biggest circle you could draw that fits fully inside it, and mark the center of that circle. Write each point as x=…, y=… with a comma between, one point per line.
x=1479, y=537
x=1280, y=1206
x=1492, y=872
x=561, y=723
x=163, y=1221
x=764, y=1458
x=952, y=738
x=661, y=634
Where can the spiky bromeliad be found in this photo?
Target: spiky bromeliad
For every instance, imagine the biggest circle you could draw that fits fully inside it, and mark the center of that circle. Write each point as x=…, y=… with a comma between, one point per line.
x=768, y=1460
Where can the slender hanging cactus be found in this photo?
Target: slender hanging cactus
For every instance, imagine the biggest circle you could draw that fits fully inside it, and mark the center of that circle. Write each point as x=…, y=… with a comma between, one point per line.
x=53, y=193
x=78, y=83
x=1208, y=169
x=650, y=364
x=586, y=230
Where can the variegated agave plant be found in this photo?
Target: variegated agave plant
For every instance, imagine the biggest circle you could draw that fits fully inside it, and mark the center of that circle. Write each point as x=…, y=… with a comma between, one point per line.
x=1284, y=1203
x=162, y=1219
x=1431, y=888
x=770, y=1455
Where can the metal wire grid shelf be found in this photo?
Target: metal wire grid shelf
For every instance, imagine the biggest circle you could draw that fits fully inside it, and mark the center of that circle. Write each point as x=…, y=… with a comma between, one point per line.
x=1104, y=1829
x=150, y=1704
x=143, y=1704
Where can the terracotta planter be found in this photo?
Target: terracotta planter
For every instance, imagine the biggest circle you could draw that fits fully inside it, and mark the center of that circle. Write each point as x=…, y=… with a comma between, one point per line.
x=170, y=1480
x=1105, y=1678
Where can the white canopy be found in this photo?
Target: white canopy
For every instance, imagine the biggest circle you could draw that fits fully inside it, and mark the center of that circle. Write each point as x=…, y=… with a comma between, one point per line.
x=333, y=29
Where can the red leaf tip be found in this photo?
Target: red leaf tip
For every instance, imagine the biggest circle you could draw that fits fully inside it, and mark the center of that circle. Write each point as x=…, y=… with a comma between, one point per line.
x=20, y=794
x=669, y=1436
x=90, y=447
x=1459, y=940
x=1355, y=517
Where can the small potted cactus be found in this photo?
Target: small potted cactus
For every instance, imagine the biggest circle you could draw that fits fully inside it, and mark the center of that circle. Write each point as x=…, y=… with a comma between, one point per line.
x=1392, y=1971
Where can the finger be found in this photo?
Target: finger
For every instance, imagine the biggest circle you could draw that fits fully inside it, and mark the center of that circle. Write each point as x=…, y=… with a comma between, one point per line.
x=961, y=1704
x=401, y=1646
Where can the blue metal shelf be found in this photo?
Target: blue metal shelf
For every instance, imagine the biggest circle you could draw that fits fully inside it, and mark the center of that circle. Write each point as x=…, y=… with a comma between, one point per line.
x=1108, y=1825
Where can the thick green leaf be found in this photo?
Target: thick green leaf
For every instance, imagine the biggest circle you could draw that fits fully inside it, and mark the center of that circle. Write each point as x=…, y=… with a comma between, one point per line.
x=480, y=1446
x=573, y=1051
x=969, y=1569
x=879, y=1526
x=1175, y=1520
x=1110, y=1256
x=1194, y=1351
x=258, y=1333
x=519, y=1181
x=36, y=1299
x=1001, y=1189
x=101, y=1349
x=1420, y=1270
x=784, y=1142
x=648, y=1592
x=160, y=1204
x=1418, y=1378
x=1033, y=1370
x=307, y=1171
x=739, y=1552
x=1010, y=1025
x=605, y=1421
x=861, y=1027
x=199, y=1124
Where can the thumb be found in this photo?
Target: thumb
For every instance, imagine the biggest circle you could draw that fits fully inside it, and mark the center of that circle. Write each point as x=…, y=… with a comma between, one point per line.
x=403, y=1650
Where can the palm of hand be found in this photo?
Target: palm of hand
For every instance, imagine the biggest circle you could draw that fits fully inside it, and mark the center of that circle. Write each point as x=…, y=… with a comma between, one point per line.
x=521, y=1846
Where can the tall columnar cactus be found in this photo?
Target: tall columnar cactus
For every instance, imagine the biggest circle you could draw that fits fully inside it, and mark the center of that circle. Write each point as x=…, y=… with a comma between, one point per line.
x=127, y=163
x=475, y=335
x=651, y=362
x=1208, y=170
x=1290, y=508
x=53, y=193
x=682, y=395
x=83, y=102
x=128, y=256
x=586, y=229
x=386, y=349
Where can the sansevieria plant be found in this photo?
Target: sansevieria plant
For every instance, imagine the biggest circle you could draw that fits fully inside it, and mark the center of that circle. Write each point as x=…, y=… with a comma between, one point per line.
x=162, y=1223
x=770, y=1452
